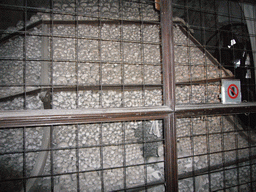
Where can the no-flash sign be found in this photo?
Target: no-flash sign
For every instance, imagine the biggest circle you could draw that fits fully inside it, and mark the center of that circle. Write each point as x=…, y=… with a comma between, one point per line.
x=231, y=91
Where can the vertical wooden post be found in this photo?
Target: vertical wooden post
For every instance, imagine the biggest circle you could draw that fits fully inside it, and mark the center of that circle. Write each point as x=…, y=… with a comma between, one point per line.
x=171, y=169
x=168, y=53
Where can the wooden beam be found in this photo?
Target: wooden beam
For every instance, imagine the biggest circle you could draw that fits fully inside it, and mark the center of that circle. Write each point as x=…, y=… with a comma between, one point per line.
x=168, y=54
x=171, y=168
x=214, y=109
x=60, y=117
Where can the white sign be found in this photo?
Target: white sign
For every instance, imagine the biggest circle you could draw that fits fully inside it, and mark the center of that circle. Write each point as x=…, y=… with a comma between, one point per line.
x=230, y=91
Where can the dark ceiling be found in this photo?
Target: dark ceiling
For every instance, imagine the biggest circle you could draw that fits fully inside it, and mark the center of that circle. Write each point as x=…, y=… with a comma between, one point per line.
x=10, y=16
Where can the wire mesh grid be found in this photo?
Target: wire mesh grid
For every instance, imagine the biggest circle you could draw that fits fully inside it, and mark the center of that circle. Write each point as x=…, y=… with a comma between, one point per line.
x=212, y=42
x=215, y=153
x=82, y=54
x=104, y=54
x=121, y=156
x=73, y=55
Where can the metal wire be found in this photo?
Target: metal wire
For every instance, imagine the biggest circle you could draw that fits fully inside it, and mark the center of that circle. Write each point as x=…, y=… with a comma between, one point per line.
x=138, y=76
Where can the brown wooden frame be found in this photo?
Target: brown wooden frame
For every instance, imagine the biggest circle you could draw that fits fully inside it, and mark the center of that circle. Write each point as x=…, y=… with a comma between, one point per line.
x=169, y=112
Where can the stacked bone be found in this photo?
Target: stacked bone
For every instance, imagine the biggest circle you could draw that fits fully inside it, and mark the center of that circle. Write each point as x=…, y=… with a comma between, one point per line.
x=131, y=72
x=192, y=64
x=140, y=64
x=115, y=155
x=16, y=73
x=201, y=142
x=64, y=73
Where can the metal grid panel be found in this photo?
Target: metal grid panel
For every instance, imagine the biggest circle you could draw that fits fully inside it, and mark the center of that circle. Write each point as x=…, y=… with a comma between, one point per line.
x=215, y=153
x=200, y=81
x=211, y=43
x=81, y=54
x=77, y=55
x=84, y=157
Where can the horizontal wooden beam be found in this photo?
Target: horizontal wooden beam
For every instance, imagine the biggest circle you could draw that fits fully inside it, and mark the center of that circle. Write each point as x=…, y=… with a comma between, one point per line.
x=58, y=117
x=201, y=81
x=23, y=118
x=214, y=109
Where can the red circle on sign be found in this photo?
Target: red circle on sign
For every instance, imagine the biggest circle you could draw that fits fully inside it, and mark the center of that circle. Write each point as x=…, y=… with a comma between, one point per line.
x=235, y=93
